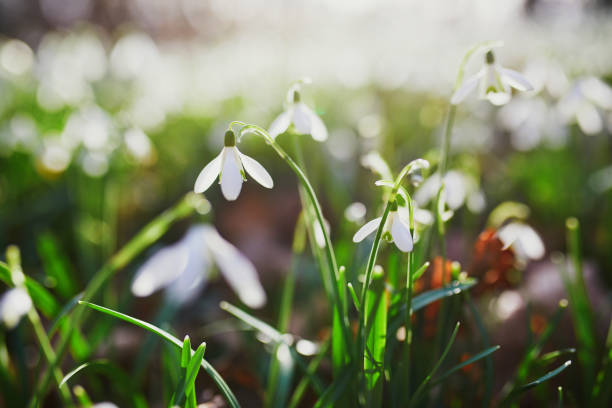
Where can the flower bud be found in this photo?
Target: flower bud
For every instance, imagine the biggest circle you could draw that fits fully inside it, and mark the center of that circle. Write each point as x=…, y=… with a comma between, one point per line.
x=230, y=138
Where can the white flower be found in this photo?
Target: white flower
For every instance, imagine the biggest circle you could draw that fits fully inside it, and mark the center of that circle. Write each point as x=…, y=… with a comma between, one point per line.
x=584, y=103
x=523, y=239
x=396, y=230
x=495, y=83
x=14, y=304
x=304, y=120
x=182, y=268
x=230, y=166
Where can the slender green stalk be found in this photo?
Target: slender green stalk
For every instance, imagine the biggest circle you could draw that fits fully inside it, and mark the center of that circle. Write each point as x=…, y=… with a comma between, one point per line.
x=275, y=396
x=147, y=236
x=14, y=262
x=331, y=257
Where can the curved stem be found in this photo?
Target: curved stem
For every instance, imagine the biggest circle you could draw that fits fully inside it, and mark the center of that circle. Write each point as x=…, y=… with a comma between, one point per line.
x=331, y=257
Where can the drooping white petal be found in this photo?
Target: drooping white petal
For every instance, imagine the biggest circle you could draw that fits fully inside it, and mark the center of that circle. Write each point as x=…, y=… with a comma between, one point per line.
x=159, y=271
x=400, y=231
x=14, y=304
x=191, y=282
x=589, y=119
x=466, y=88
x=318, y=130
x=256, y=170
x=208, y=175
x=516, y=79
x=499, y=98
x=368, y=228
x=280, y=124
x=302, y=118
x=231, y=176
x=237, y=270
x=523, y=239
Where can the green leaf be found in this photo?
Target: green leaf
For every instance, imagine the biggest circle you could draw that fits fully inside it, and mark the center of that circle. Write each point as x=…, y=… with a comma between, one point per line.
x=417, y=395
x=56, y=265
x=191, y=373
x=336, y=389
x=376, y=335
x=545, y=377
x=227, y=392
x=467, y=362
x=186, y=352
x=81, y=367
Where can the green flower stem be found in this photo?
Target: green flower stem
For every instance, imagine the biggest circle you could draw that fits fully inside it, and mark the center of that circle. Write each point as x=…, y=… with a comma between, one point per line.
x=147, y=236
x=14, y=261
x=331, y=257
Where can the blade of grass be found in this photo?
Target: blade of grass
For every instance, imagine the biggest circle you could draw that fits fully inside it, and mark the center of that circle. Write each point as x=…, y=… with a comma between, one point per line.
x=580, y=306
x=311, y=369
x=147, y=236
x=417, y=395
x=553, y=355
x=375, y=310
x=193, y=366
x=541, y=380
x=473, y=359
x=223, y=387
x=488, y=362
x=56, y=265
x=602, y=390
x=272, y=334
x=560, y=400
x=336, y=389
x=278, y=388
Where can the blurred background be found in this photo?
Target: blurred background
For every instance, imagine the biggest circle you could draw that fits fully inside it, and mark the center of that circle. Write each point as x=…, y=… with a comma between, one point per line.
x=109, y=109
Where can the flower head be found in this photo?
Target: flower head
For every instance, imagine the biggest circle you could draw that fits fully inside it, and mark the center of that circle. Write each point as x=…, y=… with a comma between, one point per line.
x=395, y=230
x=230, y=166
x=494, y=81
x=183, y=268
x=304, y=120
x=586, y=104
x=14, y=304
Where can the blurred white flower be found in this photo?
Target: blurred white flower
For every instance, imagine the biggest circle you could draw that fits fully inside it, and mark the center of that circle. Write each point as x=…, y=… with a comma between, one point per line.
x=138, y=145
x=395, y=230
x=183, y=268
x=526, y=243
x=458, y=187
x=495, y=83
x=375, y=163
x=230, y=166
x=318, y=232
x=582, y=105
x=355, y=212
x=304, y=120
x=14, y=304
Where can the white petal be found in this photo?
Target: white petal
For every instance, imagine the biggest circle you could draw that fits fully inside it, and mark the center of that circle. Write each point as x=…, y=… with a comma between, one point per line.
x=465, y=89
x=159, y=271
x=302, y=118
x=280, y=124
x=499, y=98
x=366, y=229
x=237, y=270
x=14, y=304
x=195, y=275
x=318, y=233
x=208, y=175
x=589, y=119
x=318, y=131
x=516, y=80
x=525, y=241
x=400, y=231
x=231, y=177
x=256, y=170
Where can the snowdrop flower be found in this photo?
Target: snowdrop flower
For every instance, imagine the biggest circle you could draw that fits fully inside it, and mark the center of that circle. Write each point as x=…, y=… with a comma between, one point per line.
x=230, y=166
x=495, y=83
x=304, y=120
x=584, y=103
x=14, y=304
x=396, y=230
x=183, y=268
x=459, y=187
x=526, y=243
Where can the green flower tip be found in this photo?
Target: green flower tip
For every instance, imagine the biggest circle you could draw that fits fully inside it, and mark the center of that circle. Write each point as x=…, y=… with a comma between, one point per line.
x=230, y=138
x=296, y=96
x=490, y=58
